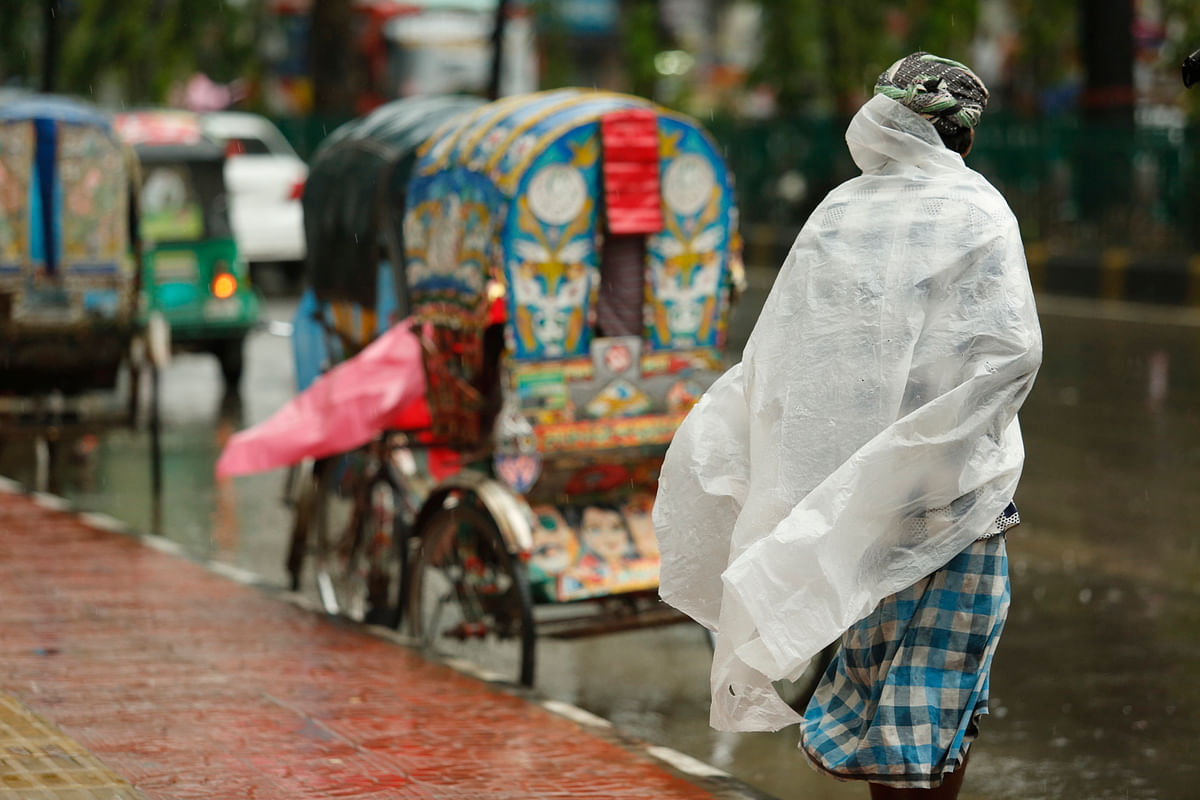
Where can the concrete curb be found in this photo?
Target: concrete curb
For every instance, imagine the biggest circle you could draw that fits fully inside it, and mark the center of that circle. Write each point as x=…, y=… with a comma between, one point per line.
x=712, y=779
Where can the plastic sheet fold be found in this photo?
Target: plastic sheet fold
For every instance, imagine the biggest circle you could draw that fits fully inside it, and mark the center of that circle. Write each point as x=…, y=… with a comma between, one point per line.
x=380, y=388
x=870, y=432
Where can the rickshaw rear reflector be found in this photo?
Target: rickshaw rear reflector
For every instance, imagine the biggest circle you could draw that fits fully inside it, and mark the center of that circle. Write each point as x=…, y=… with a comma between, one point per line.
x=631, y=190
x=224, y=285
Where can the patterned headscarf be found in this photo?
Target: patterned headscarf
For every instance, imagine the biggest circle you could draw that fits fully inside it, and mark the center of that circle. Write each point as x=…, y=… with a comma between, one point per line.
x=945, y=92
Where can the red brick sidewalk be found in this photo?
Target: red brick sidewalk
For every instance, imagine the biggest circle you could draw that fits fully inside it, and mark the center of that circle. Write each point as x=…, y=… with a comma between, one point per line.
x=189, y=685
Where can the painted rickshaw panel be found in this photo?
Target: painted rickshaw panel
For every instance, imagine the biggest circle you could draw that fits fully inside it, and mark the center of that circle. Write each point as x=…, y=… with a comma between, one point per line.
x=66, y=265
x=64, y=193
x=354, y=201
x=449, y=228
x=690, y=260
x=95, y=217
x=20, y=204
x=550, y=259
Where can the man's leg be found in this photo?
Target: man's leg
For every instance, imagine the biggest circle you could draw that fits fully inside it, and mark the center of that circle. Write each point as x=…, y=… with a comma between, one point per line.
x=947, y=791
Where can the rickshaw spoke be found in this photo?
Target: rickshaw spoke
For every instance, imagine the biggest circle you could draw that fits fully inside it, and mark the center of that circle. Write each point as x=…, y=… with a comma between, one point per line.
x=327, y=592
x=466, y=598
x=353, y=538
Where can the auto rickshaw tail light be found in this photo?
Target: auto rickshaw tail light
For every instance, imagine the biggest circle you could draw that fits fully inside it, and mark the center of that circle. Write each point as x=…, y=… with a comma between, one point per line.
x=224, y=285
x=297, y=190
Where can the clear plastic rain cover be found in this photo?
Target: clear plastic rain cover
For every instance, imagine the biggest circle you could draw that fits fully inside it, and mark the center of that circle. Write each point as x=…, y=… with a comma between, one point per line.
x=882, y=381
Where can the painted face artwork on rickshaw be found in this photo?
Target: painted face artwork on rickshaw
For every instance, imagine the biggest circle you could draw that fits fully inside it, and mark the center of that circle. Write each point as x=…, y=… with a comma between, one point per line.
x=551, y=248
x=687, y=258
x=596, y=550
x=550, y=323
x=554, y=544
x=608, y=562
x=550, y=270
x=686, y=274
x=603, y=532
x=637, y=517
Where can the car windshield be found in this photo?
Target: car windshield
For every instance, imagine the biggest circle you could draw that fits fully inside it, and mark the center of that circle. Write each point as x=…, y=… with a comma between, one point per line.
x=253, y=137
x=183, y=202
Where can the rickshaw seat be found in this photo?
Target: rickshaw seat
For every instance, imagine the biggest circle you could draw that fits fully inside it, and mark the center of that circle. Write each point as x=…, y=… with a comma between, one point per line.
x=412, y=417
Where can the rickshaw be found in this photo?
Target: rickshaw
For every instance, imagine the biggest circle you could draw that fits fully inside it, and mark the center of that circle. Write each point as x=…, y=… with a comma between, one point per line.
x=69, y=285
x=192, y=272
x=568, y=261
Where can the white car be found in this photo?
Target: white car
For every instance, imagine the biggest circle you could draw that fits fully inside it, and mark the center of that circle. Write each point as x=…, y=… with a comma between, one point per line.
x=264, y=179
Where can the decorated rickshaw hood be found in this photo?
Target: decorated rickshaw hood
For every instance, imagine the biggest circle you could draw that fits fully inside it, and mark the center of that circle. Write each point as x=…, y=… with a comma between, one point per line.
x=55, y=108
x=870, y=432
x=511, y=197
x=355, y=193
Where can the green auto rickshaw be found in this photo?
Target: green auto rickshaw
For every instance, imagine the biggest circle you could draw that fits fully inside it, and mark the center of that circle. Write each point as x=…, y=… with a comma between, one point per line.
x=192, y=272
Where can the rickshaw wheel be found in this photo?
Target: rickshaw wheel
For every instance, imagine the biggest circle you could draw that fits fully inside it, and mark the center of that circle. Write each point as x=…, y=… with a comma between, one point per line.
x=302, y=492
x=468, y=597
x=351, y=524
x=357, y=555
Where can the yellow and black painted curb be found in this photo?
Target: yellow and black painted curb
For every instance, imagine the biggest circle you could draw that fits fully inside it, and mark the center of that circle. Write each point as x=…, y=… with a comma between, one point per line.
x=1108, y=273
x=1116, y=273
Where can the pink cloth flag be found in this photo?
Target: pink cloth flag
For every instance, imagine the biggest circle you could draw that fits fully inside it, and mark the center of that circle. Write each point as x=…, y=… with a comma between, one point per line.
x=382, y=387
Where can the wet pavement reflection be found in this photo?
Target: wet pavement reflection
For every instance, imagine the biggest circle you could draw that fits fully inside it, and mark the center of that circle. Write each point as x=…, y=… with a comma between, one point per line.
x=1094, y=692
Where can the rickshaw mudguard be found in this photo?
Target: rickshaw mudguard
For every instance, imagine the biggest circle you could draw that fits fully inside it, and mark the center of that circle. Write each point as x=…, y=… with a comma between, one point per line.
x=509, y=510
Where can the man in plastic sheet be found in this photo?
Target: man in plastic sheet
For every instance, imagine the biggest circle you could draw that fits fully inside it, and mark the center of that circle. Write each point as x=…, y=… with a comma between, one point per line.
x=1191, y=69
x=852, y=478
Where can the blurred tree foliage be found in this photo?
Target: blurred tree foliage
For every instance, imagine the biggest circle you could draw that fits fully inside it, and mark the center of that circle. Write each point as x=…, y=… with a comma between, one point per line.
x=135, y=50
x=1046, y=48
x=817, y=55
x=20, y=44
x=555, y=46
x=642, y=38
x=825, y=54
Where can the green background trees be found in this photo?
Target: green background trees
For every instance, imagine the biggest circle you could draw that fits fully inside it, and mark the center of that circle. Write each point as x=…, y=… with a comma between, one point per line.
x=815, y=55
x=130, y=51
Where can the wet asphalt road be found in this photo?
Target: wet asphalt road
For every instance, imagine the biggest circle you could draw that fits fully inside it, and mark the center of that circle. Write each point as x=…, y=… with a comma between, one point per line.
x=1094, y=689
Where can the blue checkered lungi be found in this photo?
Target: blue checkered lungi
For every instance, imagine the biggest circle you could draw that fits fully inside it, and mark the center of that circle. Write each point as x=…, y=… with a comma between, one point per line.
x=900, y=702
